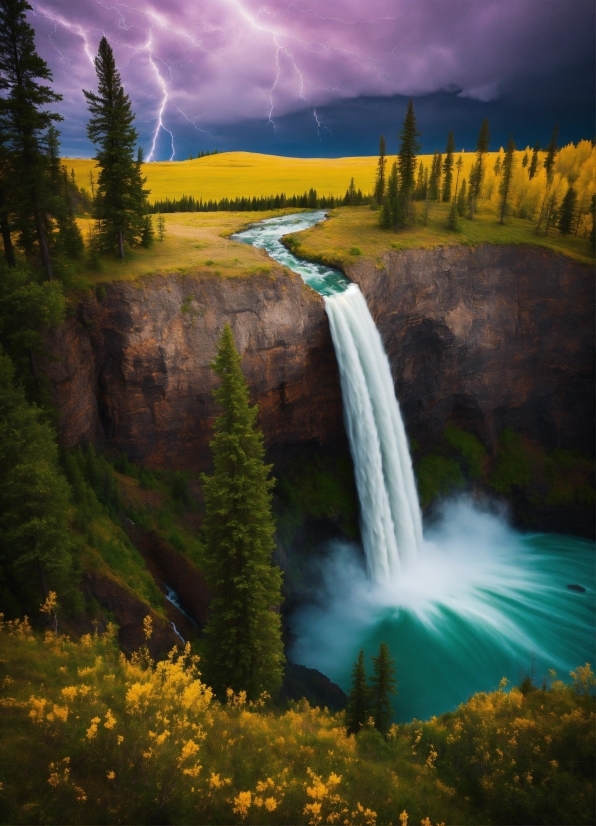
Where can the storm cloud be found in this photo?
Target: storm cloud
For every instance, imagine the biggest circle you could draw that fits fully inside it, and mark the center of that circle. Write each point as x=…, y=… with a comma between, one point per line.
x=206, y=72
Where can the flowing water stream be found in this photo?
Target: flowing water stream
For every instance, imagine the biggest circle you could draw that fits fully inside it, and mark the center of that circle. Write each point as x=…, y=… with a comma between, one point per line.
x=461, y=606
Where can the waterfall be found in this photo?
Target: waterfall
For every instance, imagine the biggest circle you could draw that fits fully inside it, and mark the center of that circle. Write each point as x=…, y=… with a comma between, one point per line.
x=391, y=523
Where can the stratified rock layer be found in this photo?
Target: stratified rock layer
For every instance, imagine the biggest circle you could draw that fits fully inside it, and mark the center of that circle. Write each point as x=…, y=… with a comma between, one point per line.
x=485, y=337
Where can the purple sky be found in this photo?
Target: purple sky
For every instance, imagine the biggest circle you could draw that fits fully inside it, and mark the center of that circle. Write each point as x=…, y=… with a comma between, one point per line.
x=206, y=73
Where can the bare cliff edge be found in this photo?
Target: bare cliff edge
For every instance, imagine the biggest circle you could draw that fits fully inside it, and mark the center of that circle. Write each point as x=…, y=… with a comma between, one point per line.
x=486, y=337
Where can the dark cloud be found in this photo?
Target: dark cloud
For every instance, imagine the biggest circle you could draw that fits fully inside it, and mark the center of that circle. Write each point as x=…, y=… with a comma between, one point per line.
x=282, y=76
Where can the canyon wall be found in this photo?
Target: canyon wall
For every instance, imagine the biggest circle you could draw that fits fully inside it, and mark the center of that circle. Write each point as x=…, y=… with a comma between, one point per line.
x=483, y=337
x=488, y=337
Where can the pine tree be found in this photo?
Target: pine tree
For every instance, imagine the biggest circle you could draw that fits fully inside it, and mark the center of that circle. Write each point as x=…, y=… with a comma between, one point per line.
x=534, y=161
x=244, y=649
x=567, y=211
x=551, y=152
x=462, y=198
x=24, y=120
x=381, y=166
x=448, y=168
x=161, y=227
x=525, y=160
x=433, y=178
x=505, y=185
x=120, y=201
x=406, y=161
x=358, y=708
x=382, y=686
x=477, y=173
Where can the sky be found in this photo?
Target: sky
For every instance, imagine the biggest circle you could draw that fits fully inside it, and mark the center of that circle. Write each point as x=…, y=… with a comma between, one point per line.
x=326, y=77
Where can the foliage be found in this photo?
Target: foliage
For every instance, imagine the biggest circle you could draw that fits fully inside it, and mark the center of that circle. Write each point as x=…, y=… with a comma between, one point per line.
x=379, y=192
x=448, y=168
x=437, y=476
x=471, y=450
x=567, y=212
x=121, y=200
x=139, y=742
x=24, y=122
x=505, y=185
x=36, y=545
x=358, y=707
x=244, y=647
x=406, y=162
x=513, y=465
x=382, y=685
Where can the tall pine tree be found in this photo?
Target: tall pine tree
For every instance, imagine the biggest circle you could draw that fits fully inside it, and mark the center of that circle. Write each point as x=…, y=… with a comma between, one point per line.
x=567, y=211
x=477, y=172
x=121, y=201
x=534, y=162
x=381, y=166
x=505, y=185
x=358, y=707
x=382, y=686
x=24, y=120
x=448, y=168
x=244, y=648
x=406, y=162
x=551, y=152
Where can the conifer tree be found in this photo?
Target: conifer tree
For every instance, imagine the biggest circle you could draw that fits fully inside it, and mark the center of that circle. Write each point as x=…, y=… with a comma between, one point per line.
x=462, y=198
x=477, y=172
x=381, y=166
x=525, y=160
x=244, y=648
x=24, y=120
x=406, y=161
x=358, y=707
x=534, y=161
x=551, y=152
x=120, y=201
x=567, y=211
x=505, y=185
x=448, y=168
x=433, y=182
x=382, y=685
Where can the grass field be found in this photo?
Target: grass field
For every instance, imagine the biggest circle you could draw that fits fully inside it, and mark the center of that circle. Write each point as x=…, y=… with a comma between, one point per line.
x=194, y=242
x=233, y=174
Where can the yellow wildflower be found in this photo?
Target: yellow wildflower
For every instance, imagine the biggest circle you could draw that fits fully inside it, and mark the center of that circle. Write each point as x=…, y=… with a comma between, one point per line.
x=403, y=818
x=120, y=740
x=92, y=730
x=242, y=804
x=111, y=775
x=148, y=627
x=69, y=693
x=270, y=804
x=110, y=720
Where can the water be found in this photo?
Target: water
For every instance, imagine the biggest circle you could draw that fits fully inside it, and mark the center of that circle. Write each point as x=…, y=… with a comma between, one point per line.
x=467, y=604
x=266, y=235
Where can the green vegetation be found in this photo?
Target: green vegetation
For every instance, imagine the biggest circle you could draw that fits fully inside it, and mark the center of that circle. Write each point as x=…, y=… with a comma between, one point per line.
x=370, y=703
x=132, y=741
x=438, y=476
x=120, y=201
x=244, y=646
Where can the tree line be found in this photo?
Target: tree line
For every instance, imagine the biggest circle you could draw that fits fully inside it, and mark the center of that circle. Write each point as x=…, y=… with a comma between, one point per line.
x=308, y=200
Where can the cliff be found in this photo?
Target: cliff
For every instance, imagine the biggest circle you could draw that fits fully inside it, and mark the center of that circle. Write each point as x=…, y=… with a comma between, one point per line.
x=486, y=338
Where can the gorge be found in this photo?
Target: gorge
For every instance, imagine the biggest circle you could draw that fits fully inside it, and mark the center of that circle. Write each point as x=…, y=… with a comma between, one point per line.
x=483, y=338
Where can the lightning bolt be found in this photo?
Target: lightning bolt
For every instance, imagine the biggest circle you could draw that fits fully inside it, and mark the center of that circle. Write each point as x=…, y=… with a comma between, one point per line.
x=287, y=51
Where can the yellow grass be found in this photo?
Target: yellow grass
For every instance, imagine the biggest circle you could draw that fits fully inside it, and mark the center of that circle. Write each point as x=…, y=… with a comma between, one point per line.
x=233, y=174
x=195, y=242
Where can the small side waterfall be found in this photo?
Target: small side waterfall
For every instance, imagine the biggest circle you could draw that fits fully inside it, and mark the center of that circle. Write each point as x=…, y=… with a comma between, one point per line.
x=391, y=519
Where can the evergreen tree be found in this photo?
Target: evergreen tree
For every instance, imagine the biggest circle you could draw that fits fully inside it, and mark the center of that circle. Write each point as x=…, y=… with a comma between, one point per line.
x=120, y=201
x=381, y=166
x=534, y=161
x=567, y=211
x=448, y=168
x=5, y=212
x=406, y=161
x=525, y=160
x=551, y=152
x=462, y=198
x=498, y=165
x=420, y=190
x=505, y=185
x=24, y=121
x=358, y=707
x=161, y=227
x=35, y=543
x=477, y=173
x=382, y=686
x=433, y=182
x=244, y=649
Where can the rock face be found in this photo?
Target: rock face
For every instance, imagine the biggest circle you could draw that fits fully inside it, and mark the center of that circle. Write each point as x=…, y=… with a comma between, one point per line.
x=133, y=370
x=485, y=337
